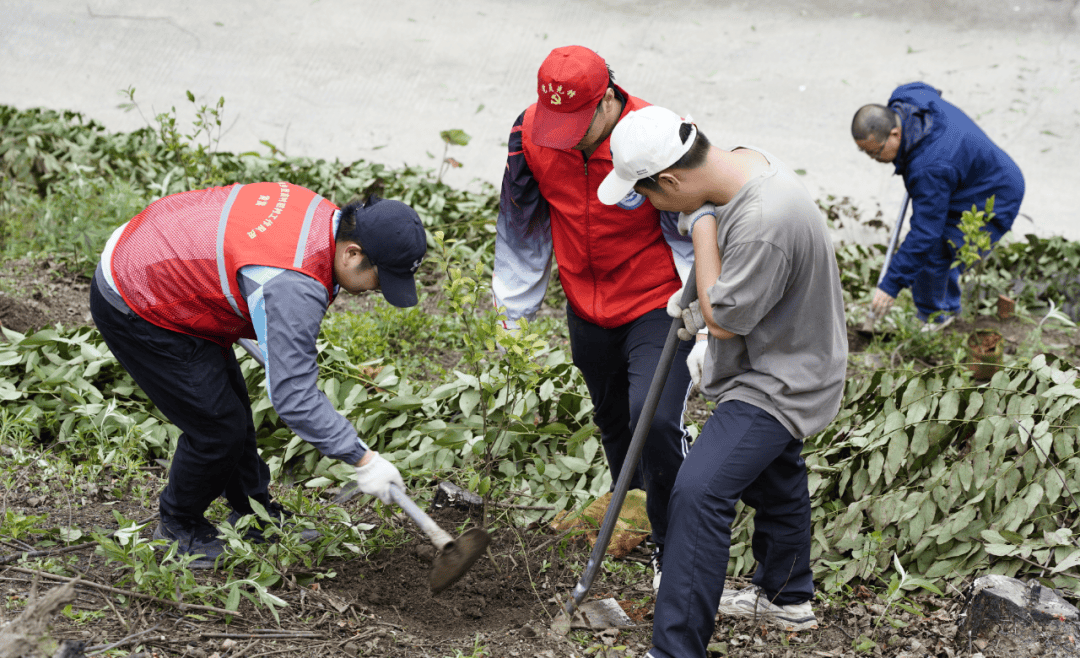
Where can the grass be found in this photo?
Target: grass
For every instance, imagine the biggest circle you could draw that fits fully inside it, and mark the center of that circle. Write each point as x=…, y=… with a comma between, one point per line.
x=72, y=225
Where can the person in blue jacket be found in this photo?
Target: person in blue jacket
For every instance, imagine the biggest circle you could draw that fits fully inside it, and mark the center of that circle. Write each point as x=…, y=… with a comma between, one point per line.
x=949, y=164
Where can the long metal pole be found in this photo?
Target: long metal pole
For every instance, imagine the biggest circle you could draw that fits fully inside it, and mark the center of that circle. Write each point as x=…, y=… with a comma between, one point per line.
x=894, y=237
x=633, y=453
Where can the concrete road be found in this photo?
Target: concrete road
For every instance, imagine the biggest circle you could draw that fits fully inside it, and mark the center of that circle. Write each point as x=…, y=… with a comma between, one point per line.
x=379, y=80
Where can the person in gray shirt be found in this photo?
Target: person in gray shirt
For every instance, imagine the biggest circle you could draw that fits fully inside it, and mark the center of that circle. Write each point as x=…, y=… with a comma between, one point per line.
x=774, y=361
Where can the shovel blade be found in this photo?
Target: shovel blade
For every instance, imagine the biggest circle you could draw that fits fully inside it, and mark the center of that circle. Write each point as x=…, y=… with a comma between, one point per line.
x=596, y=615
x=456, y=558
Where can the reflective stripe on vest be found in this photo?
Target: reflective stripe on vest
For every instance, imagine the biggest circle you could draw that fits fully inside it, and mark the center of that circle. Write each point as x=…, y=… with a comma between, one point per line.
x=220, y=250
x=175, y=264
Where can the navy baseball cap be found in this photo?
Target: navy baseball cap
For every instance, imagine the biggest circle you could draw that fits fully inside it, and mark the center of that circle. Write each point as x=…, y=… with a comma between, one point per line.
x=393, y=237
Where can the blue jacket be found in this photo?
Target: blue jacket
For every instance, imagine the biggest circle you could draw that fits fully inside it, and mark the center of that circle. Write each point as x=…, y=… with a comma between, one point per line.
x=948, y=164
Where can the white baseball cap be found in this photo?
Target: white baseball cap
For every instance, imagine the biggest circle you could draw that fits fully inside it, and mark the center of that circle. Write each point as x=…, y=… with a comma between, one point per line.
x=643, y=144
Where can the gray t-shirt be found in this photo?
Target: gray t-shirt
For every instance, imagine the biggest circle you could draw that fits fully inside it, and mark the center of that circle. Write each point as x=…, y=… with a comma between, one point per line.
x=779, y=291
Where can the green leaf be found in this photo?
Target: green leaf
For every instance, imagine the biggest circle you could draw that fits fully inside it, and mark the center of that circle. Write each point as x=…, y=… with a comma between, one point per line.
x=575, y=464
x=948, y=405
x=965, y=472
x=554, y=428
x=9, y=392
x=468, y=401
x=455, y=136
x=1069, y=562
x=893, y=422
x=547, y=390
x=1012, y=537
x=974, y=404
x=898, y=453
x=920, y=440
x=874, y=467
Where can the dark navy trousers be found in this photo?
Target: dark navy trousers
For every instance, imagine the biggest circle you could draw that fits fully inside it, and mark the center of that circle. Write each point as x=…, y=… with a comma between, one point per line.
x=618, y=366
x=743, y=453
x=198, y=386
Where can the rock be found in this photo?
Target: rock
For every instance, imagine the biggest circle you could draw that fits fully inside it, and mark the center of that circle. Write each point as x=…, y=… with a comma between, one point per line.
x=70, y=649
x=425, y=553
x=449, y=494
x=1006, y=618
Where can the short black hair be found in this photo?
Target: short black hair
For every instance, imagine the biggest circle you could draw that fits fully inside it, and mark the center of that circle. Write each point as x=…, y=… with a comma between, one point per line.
x=346, y=231
x=873, y=121
x=347, y=224
x=692, y=159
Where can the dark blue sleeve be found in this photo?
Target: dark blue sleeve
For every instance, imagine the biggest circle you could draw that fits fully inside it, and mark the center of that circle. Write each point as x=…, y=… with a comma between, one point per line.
x=930, y=190
x=520, y=198
x=523, y=246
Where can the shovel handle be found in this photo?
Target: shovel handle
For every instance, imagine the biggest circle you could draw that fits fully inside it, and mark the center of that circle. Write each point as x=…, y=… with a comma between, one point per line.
x=253, y=349
x=633, y=452
x=894, y=237
x=437, y=535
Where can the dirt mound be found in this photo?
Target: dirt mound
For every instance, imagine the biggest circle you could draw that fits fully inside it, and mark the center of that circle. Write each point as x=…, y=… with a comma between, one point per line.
x=35, y=295
x=21, y=316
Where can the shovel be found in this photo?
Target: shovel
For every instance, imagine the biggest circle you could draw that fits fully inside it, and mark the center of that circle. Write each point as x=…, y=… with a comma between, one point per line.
x=867, y=328
x=453, y=557
x=633, y=454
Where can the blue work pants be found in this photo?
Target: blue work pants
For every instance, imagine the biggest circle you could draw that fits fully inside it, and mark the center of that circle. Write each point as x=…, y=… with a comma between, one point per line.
x=743, y=453
x=198, y=386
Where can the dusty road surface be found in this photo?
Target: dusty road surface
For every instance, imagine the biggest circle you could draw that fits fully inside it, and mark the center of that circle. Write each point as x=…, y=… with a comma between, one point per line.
x=379, y=80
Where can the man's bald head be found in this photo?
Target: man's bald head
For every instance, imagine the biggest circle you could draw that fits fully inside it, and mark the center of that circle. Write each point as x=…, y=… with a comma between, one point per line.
x=873, y=122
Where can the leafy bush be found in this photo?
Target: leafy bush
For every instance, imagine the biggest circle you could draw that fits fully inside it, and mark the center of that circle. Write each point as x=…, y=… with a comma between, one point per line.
x=41, y=151
x=1038, y=271
x=925, y=472
x=72, y=224
x=954, y=478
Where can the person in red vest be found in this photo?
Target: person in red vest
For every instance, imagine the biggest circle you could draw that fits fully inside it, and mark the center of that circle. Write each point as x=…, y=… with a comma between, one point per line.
x=618, y=265
x=194, y=272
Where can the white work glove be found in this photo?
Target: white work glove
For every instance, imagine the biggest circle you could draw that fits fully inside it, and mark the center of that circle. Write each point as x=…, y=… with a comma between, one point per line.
x=376, y=476
x=691, y=315
x=686, y=222
x=695, y=362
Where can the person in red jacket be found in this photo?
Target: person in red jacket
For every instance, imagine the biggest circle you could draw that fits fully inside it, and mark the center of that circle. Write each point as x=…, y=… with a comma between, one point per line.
x=618, y=264
x=193, y=273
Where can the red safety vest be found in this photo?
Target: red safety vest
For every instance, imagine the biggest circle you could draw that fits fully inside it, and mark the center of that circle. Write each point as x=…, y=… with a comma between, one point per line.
x=176, y=263
x=614, y=263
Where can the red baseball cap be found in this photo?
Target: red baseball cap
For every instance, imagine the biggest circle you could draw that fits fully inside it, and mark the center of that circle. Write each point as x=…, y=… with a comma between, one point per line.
x=570, y=84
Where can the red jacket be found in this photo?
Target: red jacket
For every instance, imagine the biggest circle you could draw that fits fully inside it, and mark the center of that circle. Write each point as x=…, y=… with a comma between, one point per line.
x=176, y=262
x=614, y=263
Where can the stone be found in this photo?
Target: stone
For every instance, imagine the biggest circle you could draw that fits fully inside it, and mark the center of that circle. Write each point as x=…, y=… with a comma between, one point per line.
x=449, y=494
x=1012, y=619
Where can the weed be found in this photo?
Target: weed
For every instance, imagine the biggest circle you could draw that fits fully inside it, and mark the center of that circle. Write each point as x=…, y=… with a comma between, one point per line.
x=973, y=253
x=71, y=225
x=456, y=137
x=478, y=650
x=81, y=617
x=153, y=567
x=20, y=526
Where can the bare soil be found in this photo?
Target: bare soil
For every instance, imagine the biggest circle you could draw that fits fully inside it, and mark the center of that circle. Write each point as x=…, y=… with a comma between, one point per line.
x=381, y=605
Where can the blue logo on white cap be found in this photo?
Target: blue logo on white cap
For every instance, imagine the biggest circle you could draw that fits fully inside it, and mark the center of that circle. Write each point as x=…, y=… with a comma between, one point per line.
x=631, y=201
